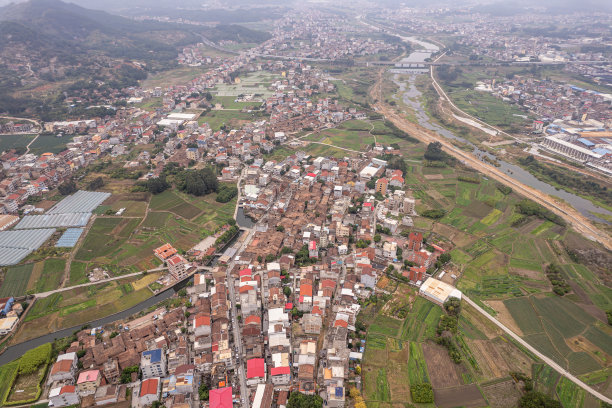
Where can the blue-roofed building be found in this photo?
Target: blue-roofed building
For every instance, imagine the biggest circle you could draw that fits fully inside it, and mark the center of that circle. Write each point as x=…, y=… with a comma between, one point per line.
x=8, y=306
x=335, y=396
x=153, y=363
x=602, y=151
x=585, y=142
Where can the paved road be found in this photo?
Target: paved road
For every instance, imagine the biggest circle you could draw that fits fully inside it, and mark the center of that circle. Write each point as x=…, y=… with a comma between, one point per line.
x=579, y=222
x=244, y=391
x=46, y=294
x=547, y=360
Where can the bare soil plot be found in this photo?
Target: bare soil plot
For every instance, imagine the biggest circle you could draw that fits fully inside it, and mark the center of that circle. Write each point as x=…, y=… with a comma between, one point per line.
x=467, y=396
x=459, y=238
x=442, y=371
x=434, y=176
x=489, y=360
x=504, y=316
x=502, y=394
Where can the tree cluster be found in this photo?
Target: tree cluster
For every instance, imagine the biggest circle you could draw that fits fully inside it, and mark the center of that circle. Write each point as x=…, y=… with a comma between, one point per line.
x=67, y=187
x=435, y=214
x=226, y=193
x=299, y=400
x=528, y=207
x=422, y=393
x=32, y=359
x=197, y=182
x=558, y=282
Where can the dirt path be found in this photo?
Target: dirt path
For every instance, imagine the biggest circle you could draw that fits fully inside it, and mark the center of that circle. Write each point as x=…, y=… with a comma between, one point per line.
x=578, y=222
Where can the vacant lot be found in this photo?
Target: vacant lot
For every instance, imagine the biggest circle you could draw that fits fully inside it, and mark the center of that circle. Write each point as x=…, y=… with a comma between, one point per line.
x=502, y=394
x=442, y=371
x=467, y=396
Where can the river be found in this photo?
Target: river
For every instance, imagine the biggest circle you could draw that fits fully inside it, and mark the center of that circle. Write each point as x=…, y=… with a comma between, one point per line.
x=16, y=351
x=412, y=97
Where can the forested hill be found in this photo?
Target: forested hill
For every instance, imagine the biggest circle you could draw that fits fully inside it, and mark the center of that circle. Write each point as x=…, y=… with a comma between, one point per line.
x=48, y=41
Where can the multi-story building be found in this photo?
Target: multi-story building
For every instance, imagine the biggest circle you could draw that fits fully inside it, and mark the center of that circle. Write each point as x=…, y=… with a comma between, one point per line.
x=153, y=363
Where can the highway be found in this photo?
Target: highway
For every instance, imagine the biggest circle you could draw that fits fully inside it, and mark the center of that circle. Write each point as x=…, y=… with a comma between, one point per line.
x=547, y=360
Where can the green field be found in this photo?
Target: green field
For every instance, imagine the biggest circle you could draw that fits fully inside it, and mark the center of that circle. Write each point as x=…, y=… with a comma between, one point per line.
x=569, y=393
x=78, y=273
x=52, y=274
x=7, y=373
x=231, y=118
x=8, y=142
x=49, y=144
x=16, y=280
x=417, y=368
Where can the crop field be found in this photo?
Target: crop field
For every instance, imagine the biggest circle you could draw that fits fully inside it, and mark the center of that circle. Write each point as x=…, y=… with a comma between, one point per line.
x=231, y=118
x=16, y=280
x=125, y=244
x=78, y=274
x=51, y=277
x=569, y=393
x=7, y=373
x=81, y=305
x=422, y=321
x=8, y=142
x=545, y=378
x=386, y=326
x=417, y=368
x=26, y=386
x=524, y=315
x=49, y=144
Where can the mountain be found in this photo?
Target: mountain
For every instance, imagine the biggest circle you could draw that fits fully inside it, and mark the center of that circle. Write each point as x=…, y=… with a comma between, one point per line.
x=50, y=41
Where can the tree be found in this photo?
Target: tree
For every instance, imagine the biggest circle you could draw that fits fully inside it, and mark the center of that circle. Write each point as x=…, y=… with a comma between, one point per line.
x=287, y=291
x=377, y=238
x=535, y=399
x=203, y=391
x=67, y=187
x=95, y=184
x=299, y=400
x=434, y=152
x=358, y=370
x=453, y=306
x=422, y=393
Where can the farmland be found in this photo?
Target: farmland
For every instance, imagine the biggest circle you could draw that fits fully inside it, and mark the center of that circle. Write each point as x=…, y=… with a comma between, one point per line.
x=16, y=280
x=399, y=345
x=8, y=142
x=81, y=305
x=125, y=244
x=49, y=144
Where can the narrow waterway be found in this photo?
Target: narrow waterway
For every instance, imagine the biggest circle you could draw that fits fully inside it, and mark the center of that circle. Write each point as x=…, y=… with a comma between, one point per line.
x=18, y=350
x=411, y=96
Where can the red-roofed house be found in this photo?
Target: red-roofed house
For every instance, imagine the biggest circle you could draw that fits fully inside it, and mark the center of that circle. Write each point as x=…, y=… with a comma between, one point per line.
x=415, y=241
x=201, y=325
x=220, y=398
x=280, y=375
x=64, y=396
x=88, y=382
x=164, y=252
x=256, y=371
x=149, y=391
x=178, y=267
